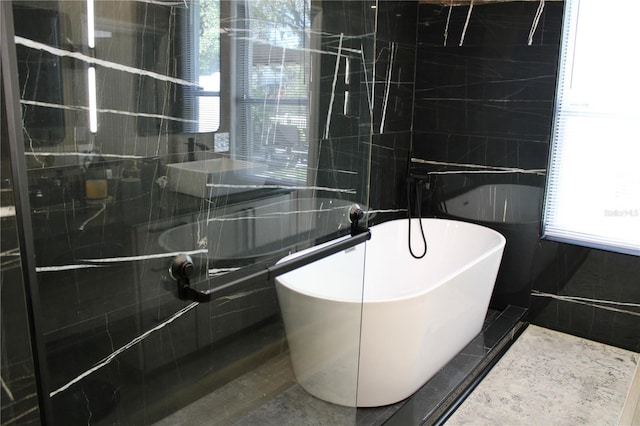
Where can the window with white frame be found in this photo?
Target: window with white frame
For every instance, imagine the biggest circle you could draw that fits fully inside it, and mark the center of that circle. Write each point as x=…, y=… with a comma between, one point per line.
x=593, y=187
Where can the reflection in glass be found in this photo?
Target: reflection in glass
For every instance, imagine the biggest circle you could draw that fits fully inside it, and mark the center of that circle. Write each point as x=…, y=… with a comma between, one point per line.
x=186, y=127
x=273, y=104
x=18, y=389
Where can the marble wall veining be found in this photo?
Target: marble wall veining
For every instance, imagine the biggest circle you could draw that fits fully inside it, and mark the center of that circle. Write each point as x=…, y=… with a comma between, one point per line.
x=345, y=91
x=600, y=301
x=120, y=347
x=485, y=79
x=18, y=390
x=484, y=99
x=393, y=106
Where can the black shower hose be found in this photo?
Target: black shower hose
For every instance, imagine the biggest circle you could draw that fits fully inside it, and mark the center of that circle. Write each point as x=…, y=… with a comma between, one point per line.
x=418, y=201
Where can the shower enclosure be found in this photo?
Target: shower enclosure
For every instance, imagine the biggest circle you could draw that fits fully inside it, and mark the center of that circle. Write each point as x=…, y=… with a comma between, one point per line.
x=232, y=131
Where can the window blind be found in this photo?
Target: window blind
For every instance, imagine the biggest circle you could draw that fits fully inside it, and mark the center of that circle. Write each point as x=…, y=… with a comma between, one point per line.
x=593, y=184
x=272, y=87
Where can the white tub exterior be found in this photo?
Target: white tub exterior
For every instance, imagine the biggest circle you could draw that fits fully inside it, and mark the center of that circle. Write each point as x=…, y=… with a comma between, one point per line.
x=373, y=337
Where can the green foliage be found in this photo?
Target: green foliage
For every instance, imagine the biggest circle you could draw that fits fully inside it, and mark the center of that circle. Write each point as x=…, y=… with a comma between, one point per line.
x=266, y=15
x=209, y=36
x=287, y=13
x=287, y=16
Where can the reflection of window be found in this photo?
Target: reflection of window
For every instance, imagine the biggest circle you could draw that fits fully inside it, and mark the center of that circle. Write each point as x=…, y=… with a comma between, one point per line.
x=272, y=105
x=593, y=190
x=201, y=64
x=206, y=63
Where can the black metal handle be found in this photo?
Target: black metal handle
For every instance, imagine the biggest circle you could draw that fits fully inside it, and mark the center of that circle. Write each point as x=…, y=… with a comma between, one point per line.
x=419, y=178
x=180, y=270
x=182, y=267
x=356, y=214
x=305, y=259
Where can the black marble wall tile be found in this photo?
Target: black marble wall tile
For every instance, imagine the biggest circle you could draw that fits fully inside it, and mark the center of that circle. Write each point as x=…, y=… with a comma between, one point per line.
x=489, y=24
x=394, y=87
x=351, y=18
x=393, y=105
x=494, y=86
x=346, y=97
x=395, y=66
x=500, y=72
x=596, y=298
x=486, y=106
x=344, y=135
x=479, y=150
x=489, y=103
x=389, y=157
x=495, y=90
x=343, y=164
x=397, y=21
x=527, y=120
x=120, y=346
x=486, y=103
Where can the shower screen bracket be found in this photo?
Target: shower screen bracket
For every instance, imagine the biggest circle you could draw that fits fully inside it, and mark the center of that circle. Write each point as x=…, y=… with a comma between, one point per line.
x=182, y=267
x=356, y=214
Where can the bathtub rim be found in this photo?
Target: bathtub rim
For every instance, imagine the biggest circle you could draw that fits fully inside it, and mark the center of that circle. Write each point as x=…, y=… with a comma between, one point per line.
x=498, y=247
x=489, y=223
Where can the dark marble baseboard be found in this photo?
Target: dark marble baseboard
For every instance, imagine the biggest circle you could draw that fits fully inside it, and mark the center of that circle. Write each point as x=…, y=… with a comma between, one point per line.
x=270, y=395
x=429, y=404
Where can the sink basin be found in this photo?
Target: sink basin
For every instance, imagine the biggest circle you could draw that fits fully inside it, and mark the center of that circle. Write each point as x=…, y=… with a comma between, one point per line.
x=223, y=175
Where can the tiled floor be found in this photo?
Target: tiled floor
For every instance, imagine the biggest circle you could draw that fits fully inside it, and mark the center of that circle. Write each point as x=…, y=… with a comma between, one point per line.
x=545, y=378
x=552, y=378
x=269, y=394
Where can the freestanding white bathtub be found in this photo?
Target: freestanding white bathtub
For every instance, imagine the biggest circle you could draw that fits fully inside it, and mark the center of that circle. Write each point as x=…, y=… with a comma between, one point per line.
x=369, y=326
x=514, y=211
